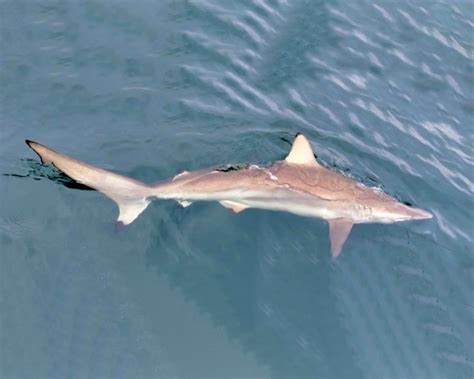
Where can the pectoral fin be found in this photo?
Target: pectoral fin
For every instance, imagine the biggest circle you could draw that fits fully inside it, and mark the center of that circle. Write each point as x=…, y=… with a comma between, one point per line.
x=339, y=230
x=236, y=207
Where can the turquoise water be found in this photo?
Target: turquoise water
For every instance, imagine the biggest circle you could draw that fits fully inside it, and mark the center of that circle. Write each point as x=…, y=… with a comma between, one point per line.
x=384, y=92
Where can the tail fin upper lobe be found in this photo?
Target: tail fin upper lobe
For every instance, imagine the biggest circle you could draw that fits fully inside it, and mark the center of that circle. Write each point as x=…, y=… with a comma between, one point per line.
x=131, y=196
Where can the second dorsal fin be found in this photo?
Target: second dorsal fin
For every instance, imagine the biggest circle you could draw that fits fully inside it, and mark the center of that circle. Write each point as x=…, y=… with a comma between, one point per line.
x=301, y=152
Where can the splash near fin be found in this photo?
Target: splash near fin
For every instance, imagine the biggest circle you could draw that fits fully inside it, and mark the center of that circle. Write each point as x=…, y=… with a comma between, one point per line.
x=301, y=152
x=339, y=230
x=131, y=196
x=236, y=207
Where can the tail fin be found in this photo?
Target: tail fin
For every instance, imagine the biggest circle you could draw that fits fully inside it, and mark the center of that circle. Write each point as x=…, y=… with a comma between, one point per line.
x=131, y=196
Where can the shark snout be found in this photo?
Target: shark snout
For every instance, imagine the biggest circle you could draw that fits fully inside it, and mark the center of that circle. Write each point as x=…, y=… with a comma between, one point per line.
x=420, y=214
x=400, y=212
x=412, y=213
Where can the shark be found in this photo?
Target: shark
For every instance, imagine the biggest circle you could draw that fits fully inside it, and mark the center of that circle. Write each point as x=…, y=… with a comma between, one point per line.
x=297, y=184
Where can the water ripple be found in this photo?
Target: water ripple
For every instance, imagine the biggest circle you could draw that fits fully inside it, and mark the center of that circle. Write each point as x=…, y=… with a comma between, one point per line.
x=437, y=35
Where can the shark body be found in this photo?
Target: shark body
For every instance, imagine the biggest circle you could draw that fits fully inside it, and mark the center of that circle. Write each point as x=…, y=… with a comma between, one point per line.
x=298, y=184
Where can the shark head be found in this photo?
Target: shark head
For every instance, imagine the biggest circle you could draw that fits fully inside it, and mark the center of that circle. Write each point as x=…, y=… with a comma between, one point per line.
x=347, y=202
x=394, y=211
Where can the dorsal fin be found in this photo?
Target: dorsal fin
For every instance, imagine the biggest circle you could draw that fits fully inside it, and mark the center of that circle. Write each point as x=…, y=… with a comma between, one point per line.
x=301, y=152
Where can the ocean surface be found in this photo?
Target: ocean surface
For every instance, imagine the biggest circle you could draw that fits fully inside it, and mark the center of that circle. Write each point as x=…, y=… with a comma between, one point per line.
x=382, y=89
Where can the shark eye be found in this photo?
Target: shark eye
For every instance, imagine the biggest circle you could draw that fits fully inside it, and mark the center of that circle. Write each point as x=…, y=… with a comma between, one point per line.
x=408, y=204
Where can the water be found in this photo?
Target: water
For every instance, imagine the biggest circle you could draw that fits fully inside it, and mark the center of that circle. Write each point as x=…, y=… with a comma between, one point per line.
x=384, y=91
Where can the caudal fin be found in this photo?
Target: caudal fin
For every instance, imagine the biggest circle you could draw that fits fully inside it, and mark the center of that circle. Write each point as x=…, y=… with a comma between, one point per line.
x=131, y=196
